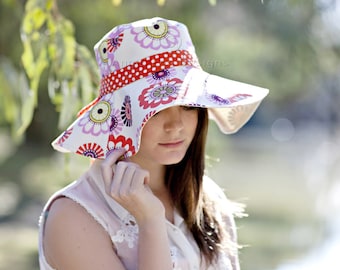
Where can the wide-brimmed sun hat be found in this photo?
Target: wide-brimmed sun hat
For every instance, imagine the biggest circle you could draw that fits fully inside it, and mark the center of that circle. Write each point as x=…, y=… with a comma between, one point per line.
x=148, y=66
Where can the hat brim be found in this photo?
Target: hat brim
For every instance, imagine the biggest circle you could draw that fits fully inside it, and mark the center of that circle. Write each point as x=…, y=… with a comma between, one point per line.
x=230, y=104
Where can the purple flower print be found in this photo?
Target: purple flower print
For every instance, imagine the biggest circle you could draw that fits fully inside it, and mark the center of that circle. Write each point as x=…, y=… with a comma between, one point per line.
x=105, y=54
x=98, y=119
x=116, y=122
x=162, y=75
x=105, y=59
x=126, y=112
x=159, y=35
x=225, y=101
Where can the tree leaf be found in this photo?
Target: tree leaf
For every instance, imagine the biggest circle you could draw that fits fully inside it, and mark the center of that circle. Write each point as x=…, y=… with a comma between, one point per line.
x=8, y=77
x=28, y=104
x=85, y=84
x=86, y=58
x=40, y=66
x=67, y=64
x=27, y=58
x=38, y=17
x=69, y=104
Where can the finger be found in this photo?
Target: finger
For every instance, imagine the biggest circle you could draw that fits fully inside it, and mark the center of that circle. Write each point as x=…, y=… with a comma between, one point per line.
x=120, y=176
x=116, y=179
x=107, y=167
x=114, y=156
x=126, y=180
x=140, y=179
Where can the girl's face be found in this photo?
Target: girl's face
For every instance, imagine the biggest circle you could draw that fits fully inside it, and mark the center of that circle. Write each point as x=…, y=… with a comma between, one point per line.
x=167, y=136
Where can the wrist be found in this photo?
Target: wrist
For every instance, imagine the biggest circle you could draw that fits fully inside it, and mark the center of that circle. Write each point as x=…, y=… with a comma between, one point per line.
x=151, y=222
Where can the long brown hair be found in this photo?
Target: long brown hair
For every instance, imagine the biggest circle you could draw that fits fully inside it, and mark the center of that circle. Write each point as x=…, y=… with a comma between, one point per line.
x=184, y=181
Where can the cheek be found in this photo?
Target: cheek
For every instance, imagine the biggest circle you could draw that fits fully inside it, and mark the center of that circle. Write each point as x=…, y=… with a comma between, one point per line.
x=191, y=122
x=148, y=130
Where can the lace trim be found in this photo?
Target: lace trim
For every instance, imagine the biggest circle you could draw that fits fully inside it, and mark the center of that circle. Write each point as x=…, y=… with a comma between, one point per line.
x=128, y=232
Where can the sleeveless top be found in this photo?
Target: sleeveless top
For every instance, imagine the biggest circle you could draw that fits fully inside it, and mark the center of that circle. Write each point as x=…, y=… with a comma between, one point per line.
x=89, y=192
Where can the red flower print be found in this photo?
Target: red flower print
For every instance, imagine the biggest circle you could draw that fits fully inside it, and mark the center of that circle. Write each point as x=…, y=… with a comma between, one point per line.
x=65, y=136
x=119, y=143
x=162, y=93
x=147, y=117
x=114, y=42
x=92, y=150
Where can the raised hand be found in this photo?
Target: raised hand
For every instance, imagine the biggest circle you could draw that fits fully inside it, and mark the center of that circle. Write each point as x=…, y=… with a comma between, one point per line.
x=127, y=183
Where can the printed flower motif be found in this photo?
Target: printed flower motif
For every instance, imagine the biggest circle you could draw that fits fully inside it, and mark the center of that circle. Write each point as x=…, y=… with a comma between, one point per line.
x=225, y=101
x=238, y=115
x=114, y=42
x=105, y=54
x=147, y=117
x=162, y=93
x=139, y=129
x=116, y=122
x=126, y=111
x=186, y=69
x=239, y=97
x=218, y=100
x=92, y=150
x=158, y=35
x=119, y=143
x=106, y=62
x=162, y=75
x=128, y=232
x=98, y=120
x=65, y=136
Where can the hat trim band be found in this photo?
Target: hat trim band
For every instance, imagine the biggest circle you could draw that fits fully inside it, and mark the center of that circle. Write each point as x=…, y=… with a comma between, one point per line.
x=143, y=68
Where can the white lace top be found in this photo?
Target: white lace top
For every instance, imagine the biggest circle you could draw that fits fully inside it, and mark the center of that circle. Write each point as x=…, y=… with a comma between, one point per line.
x=89, y=192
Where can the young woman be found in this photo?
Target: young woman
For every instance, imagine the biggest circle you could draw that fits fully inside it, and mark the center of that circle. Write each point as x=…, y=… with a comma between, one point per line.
x=145, y=203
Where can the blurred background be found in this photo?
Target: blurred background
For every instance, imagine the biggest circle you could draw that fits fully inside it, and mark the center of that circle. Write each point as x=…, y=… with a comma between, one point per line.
x=284, y=164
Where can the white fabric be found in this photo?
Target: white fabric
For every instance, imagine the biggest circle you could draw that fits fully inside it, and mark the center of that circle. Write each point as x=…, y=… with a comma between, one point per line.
x=89, y=192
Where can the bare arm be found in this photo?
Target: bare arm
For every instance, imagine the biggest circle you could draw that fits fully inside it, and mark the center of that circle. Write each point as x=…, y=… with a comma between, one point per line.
x=74, y=240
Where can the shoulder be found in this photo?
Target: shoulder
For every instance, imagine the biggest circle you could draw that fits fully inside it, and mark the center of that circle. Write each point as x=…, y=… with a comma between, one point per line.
x=65, y=211
x=72, y=237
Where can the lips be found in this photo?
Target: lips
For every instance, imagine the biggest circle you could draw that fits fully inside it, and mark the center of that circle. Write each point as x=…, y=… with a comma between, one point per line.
x=172, y=144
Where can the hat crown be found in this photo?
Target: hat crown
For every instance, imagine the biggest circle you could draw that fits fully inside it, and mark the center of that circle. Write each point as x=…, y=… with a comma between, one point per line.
x=129, y=43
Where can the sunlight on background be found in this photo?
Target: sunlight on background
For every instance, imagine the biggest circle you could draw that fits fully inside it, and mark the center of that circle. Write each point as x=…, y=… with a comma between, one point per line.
x=323, y=173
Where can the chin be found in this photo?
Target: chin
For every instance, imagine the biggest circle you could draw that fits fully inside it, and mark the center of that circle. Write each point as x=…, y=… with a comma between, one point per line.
x=172, y=159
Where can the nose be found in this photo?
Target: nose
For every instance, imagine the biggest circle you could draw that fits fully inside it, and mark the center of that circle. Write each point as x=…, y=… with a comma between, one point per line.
x=173, y=119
